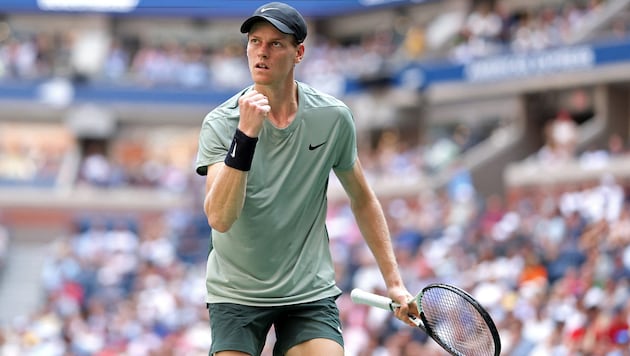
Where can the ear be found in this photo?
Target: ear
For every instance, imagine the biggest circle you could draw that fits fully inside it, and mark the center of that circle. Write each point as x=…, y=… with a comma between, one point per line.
x=299, y=55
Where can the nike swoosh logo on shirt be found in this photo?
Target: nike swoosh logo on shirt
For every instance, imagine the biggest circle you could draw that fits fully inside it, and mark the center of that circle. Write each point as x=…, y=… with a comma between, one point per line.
x=311, y=147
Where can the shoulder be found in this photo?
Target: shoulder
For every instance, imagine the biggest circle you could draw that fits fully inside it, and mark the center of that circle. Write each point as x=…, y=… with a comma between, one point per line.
x=316, y=99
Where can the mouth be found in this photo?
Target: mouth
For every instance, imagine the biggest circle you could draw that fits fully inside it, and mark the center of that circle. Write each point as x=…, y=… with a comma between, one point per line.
x=261, y=66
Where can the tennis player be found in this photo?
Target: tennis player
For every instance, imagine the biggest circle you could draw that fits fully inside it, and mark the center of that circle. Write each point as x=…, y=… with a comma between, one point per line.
x=267, y=153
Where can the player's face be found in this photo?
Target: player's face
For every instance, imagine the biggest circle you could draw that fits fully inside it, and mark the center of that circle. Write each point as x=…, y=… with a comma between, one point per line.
x=271, y=54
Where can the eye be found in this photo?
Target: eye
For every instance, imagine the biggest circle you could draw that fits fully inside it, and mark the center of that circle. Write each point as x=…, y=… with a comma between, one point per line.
x=276, y=44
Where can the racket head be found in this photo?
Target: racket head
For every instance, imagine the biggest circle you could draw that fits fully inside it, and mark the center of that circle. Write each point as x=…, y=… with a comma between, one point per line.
x=457, y=322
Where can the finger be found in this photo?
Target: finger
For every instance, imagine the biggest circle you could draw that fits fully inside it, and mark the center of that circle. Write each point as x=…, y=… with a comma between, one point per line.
x=254, y=98
x=408, y=309
x=258, y=97
x=253, y=94
x=262, y=103
x=402, y=313
x=260, y=107
x=413, y=307
x=248, y=98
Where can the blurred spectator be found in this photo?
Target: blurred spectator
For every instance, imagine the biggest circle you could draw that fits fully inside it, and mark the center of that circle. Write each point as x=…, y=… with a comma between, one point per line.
x=194, y=71
x=481, y=33
x=228, y=67
x=116, y=64
x=96, y=170
x=15, y=163
x=5, y=242
x=560, y=139
x=413, y=44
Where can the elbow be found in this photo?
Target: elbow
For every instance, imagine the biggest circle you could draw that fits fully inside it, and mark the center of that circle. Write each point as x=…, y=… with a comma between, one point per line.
x=216, y=219
x=219, y=224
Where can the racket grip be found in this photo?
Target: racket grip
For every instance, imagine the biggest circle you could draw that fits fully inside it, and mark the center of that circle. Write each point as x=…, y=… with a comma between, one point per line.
x=360, y=296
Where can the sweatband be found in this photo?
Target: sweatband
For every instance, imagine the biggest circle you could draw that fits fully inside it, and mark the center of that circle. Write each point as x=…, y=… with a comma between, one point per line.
x=241, y=151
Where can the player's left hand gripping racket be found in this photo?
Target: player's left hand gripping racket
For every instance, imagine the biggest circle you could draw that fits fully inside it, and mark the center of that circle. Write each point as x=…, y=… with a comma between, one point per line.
x=450, y=316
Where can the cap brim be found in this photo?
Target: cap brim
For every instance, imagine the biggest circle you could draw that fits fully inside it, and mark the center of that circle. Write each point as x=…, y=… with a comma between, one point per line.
x=247, y=25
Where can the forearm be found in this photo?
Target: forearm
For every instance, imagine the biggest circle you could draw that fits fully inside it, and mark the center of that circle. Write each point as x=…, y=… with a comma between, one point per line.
x=227, y=181
x=225, y=197
x=373, y=226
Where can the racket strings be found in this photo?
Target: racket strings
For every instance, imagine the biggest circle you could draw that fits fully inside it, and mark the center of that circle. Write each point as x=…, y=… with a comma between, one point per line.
x=456, y=323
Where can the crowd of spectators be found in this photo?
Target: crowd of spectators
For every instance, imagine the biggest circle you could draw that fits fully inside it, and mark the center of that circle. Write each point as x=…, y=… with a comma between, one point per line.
x=141, y=161
x=490, y=29
x=487, y=29
x=328, y=65
x=33, y=155
x=116, y=288
x=551, y=265
x=125, y=162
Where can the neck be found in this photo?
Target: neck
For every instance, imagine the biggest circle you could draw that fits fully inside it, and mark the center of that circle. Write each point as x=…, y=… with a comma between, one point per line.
x=283, y=101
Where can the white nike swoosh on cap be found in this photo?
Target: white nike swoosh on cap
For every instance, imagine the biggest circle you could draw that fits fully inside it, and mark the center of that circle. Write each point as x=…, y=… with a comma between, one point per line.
x=268, y=8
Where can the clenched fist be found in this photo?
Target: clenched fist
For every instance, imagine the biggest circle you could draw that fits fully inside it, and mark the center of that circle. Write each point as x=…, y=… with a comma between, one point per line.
x=254, y=108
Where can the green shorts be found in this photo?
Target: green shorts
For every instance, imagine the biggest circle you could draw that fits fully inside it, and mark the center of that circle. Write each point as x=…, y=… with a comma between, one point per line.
x=244, y=328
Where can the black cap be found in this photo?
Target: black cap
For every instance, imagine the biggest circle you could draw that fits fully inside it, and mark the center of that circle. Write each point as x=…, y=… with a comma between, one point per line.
x=284, y=17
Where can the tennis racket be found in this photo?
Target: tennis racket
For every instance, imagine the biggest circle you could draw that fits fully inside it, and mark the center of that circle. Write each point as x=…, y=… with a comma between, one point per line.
x=450, y=316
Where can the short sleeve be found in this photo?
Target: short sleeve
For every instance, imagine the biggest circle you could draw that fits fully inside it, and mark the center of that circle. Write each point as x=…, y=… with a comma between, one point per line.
x=346, y=141
x=214, y=141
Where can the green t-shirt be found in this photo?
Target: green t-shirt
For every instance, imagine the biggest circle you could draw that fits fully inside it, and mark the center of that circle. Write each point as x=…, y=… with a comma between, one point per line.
x=277, y=251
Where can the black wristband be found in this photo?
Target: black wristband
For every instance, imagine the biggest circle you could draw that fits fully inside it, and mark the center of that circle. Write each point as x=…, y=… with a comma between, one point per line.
x=241, y=151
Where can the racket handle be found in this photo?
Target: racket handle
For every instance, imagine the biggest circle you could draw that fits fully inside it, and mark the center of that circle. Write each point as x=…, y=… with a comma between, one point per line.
x=360, y=296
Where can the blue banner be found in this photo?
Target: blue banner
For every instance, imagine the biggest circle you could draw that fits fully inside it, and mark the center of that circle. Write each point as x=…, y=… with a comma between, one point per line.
x=515, y=65
x=196, y=8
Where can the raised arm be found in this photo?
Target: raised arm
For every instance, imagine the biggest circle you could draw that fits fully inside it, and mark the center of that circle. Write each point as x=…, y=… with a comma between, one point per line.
x=226, y=181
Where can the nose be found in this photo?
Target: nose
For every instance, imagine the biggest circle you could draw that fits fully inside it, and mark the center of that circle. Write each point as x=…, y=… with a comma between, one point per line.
x=262, y=52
